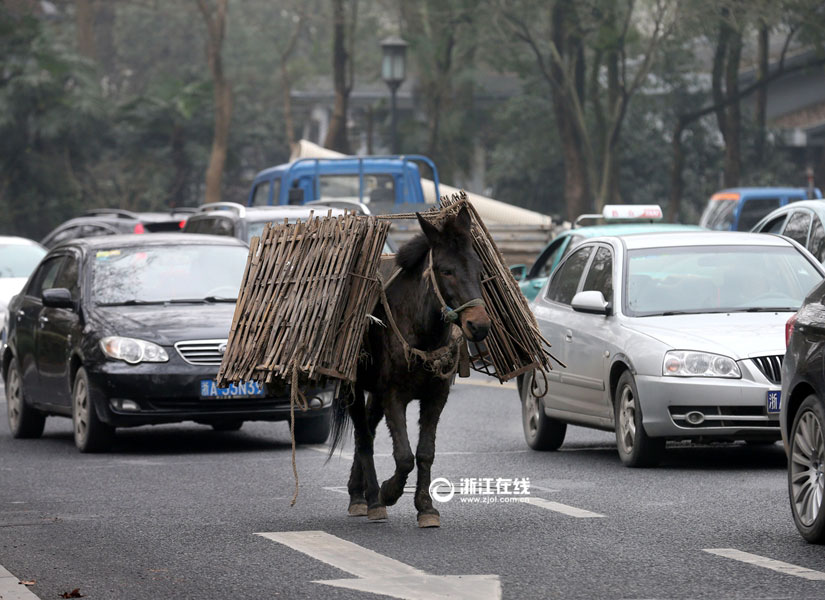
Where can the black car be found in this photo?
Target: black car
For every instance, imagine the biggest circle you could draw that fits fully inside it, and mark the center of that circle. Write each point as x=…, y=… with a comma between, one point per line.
x=128, y=330
x=113, y=221
x=802, y=414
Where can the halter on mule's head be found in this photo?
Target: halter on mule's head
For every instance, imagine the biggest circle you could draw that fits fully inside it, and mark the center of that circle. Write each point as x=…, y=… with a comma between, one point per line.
x=454, y=271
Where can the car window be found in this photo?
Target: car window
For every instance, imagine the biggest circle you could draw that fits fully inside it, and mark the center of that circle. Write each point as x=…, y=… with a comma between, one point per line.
x=600, y=275
x=69, y=233
x=798, y=226
x=45, y=276
x=817, y=242
x=94, y=230
x=546, y=259
x=260, y=196
x=210, y=225
x=19, y=260
x=159, y=274
x=719, y=215
x=702, y=279
x=67, y=277
x=754, y=209
x=565, y=281
x=774, y=225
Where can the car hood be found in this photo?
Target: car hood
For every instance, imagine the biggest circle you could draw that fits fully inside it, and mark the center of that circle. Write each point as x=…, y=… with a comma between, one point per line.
x=738, y=335
x=168, y=324
x=9, y=286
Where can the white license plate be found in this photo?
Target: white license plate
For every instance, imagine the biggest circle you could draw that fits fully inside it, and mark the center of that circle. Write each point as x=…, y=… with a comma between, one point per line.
x=244, y=389
x=773, y=402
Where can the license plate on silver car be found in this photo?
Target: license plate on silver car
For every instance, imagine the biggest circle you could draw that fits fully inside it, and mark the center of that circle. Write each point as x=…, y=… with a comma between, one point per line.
x=774, y=402
x=244, y=389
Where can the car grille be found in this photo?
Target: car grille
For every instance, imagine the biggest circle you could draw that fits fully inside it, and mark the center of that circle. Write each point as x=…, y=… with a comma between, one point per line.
x=770, y=366
x=202, y=352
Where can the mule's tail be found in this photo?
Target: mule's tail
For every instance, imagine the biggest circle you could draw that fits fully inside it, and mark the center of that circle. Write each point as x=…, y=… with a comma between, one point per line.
x=340, y=418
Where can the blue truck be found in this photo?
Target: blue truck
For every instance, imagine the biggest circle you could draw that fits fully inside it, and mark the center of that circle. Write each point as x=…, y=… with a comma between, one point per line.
x=386, y=184
x=739, y=209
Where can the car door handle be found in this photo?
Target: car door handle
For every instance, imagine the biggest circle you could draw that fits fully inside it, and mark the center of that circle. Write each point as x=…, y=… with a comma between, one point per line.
x=568, y=336
x=43, y=320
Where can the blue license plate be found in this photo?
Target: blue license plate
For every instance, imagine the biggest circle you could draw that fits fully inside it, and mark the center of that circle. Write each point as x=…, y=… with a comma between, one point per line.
x=244, y=389
x=774, y=402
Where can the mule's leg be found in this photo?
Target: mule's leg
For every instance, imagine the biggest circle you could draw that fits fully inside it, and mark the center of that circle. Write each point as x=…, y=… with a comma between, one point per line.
x=357, y=484
x=424, y=456
x=395, y=410
x=363, y=453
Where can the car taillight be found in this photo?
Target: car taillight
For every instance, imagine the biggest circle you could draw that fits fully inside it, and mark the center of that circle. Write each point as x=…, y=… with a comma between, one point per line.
x=139, y=228
x=789, y=329
x=182, y=224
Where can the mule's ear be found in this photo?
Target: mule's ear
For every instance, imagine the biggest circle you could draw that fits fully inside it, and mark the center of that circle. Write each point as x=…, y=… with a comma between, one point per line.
x=462, y=219
x=431, y=232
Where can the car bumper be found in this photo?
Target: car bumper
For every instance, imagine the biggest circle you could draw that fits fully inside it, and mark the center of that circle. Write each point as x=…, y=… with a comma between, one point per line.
x=169, y=393
x=690, y=408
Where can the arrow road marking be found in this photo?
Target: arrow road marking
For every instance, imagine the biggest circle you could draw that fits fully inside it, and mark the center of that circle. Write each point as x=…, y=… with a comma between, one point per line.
x=12, y=589
x=379, y=574
x=570, y=511
x=767, y=563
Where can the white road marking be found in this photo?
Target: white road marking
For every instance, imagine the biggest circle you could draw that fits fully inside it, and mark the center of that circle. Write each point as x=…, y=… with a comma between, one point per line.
x=767, y=563
x=570, y=511
x=379, y=574
x=12, y=589
x=493, y=384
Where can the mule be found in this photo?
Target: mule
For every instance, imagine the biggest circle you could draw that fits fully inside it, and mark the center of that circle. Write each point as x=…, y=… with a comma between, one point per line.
x=412, y=354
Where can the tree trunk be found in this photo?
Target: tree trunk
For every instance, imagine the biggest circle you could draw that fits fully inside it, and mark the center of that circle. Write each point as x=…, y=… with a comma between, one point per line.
x=677, y=184
x=337, y=134
x=733, y=152
x=84, y=19
x=761, y=95
x=216, y=27
x=286, y=82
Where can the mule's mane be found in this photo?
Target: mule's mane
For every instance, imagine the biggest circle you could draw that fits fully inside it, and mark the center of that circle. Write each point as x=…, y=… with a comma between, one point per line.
x=413, y=252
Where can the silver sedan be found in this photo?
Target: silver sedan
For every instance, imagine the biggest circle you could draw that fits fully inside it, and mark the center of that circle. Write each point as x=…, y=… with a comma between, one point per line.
x=667, y=336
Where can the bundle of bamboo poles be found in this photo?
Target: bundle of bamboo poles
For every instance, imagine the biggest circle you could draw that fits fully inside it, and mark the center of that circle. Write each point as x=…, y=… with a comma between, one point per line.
x=514, y=345
x=304, y=299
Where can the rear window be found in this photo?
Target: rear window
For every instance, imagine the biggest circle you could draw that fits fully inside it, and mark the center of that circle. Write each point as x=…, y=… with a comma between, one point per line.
x=753, y=209
x=19, y=260
x=719, y=215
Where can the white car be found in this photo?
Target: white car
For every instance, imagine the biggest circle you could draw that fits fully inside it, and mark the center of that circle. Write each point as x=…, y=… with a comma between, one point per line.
x=664, y=336
x=18, y=258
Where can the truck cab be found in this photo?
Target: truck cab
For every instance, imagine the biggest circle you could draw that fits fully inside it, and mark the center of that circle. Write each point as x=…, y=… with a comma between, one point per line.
x=739, y=209
x=386, y=184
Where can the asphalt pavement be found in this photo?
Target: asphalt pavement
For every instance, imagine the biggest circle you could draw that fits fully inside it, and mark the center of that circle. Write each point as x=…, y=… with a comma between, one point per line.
x=181, y=512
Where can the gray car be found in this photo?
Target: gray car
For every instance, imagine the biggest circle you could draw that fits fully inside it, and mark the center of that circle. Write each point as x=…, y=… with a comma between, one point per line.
x=667, y=336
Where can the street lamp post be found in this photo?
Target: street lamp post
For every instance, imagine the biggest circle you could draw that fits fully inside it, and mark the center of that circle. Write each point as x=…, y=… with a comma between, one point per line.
x=393, y=67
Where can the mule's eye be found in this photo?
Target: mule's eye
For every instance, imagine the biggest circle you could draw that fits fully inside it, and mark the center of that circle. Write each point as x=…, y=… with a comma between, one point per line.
x=446, y=272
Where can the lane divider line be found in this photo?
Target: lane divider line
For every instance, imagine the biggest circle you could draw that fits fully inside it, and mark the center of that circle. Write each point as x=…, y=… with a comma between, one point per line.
x=767, y=563
x=570, y=511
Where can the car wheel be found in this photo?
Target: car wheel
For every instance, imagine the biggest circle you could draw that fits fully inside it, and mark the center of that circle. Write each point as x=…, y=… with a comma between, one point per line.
x=540, y=431
x=806, y=482
x=636, y=448
x=228, y=425
x=313, y=430
x=90, y=433
x=24, y=420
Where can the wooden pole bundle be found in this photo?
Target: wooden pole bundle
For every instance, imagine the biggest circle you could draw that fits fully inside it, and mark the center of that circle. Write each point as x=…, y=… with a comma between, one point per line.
x=304, y=300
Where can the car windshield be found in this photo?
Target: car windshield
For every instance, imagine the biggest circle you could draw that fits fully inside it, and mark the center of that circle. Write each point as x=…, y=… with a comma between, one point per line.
x=719, y=215
x=707, y=279
x=160, y=274
x=19, y=260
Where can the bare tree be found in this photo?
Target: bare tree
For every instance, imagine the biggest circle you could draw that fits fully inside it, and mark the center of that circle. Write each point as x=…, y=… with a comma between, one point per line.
x=284, y=55
x=215, y=18
x=343, y=66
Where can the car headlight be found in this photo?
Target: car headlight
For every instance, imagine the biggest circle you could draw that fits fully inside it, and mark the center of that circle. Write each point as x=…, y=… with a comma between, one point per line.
x=686, y=363
x=132, y=351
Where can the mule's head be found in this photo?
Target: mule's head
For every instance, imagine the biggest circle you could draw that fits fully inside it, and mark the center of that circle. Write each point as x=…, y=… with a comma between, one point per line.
x=457, y=271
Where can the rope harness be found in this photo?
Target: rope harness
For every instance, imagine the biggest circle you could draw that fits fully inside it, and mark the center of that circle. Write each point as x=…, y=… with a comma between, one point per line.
x=443, y=362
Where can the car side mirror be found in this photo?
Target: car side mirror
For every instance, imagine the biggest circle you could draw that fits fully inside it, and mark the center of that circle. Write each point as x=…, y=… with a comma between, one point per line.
x=519, y=272
x=295, y=196
x=592, y=302
x=57, y=298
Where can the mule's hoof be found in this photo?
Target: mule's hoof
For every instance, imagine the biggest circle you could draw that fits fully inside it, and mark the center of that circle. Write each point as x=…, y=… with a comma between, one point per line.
x=429, y=521
x=379, y=513
x=357, y=510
